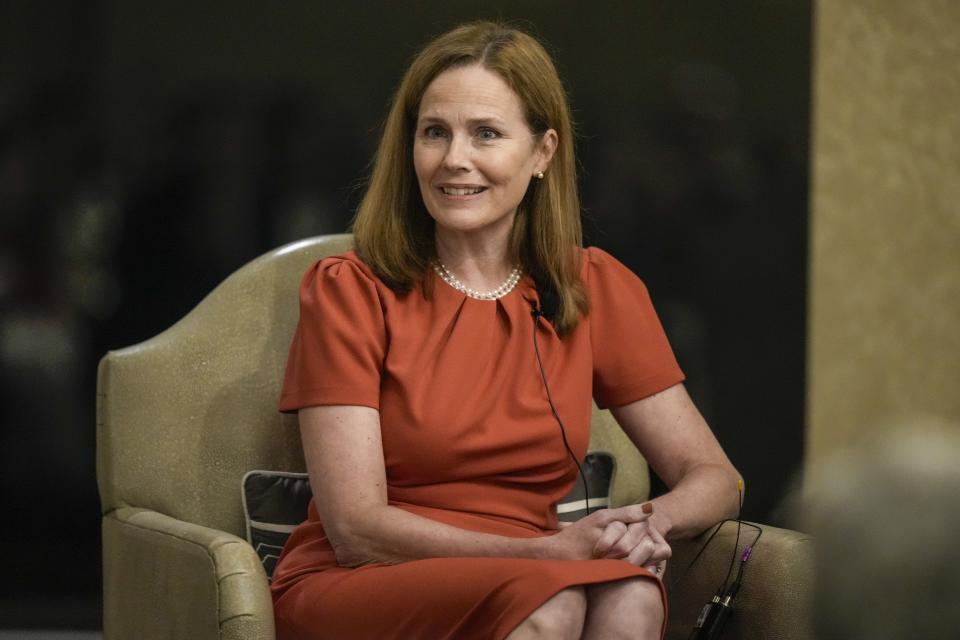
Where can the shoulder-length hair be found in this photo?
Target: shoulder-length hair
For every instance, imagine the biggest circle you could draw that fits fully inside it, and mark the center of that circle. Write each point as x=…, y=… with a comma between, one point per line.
x=392, y=230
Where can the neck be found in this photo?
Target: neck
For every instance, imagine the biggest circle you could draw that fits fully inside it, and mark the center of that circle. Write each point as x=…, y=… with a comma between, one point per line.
x=481, y=263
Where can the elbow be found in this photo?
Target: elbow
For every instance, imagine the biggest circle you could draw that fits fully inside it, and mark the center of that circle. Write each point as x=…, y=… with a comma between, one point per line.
x=351, y=546
x=739, y=492
x=350, y=550
x=727, y=489
x=348, y=553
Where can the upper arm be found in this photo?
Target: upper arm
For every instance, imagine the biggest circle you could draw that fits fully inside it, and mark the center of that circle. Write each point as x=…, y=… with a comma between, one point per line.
x=344, y=455
x=339, y=346
x=671, y=434
x=631, y=355
x=633, y=359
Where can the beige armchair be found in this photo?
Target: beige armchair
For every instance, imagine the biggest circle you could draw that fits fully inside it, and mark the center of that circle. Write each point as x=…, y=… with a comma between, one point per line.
x=181, y=418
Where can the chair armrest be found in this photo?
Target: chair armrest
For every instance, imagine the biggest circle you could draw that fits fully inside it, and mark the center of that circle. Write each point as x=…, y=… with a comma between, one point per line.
x=165, y=578
x=774, y=601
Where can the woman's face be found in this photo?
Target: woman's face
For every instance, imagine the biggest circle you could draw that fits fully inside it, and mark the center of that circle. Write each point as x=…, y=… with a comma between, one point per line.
x=473, y=152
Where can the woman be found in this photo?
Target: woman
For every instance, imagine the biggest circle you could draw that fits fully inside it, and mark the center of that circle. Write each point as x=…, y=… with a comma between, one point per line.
x=429, y=434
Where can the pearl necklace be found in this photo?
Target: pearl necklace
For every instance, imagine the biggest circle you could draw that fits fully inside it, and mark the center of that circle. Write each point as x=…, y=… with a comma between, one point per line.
x=494, y=294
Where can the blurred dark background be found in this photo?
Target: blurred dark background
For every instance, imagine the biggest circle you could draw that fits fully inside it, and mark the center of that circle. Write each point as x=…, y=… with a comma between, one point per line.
x=149, y=149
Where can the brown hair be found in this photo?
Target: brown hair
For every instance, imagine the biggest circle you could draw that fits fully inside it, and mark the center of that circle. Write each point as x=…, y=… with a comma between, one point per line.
x=393, y=231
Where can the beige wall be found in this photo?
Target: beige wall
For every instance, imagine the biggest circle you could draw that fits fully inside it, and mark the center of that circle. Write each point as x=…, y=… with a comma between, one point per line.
x=885, y=238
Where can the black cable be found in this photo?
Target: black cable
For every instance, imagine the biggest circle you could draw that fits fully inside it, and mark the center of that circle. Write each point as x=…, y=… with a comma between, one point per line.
x=536, y=313
x=736, y=543
x=710, y=539
x=721, y=610
x=713, y=616
x=702, y=549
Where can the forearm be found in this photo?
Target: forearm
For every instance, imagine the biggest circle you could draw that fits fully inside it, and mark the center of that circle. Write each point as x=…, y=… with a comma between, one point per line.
x=392, y=535
x=682, y=449
x=707, y=494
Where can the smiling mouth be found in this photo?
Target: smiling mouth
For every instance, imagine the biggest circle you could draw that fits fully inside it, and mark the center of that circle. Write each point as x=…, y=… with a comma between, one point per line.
x=462, y=191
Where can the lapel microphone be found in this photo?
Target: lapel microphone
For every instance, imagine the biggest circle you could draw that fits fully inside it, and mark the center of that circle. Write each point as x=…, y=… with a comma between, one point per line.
x=549, y=303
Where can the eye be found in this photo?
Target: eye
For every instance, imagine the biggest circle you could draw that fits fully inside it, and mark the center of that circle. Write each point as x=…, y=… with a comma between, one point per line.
x=486, y=133
x=434, y=132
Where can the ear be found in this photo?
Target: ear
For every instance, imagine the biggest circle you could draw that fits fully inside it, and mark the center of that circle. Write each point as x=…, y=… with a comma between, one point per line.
x=545, y=149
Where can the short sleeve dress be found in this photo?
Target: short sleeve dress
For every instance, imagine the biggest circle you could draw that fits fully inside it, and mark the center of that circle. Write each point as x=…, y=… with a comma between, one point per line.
x=468, y=439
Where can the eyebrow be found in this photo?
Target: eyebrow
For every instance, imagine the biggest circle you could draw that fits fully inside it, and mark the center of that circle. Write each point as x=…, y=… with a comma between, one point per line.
x=473, y=122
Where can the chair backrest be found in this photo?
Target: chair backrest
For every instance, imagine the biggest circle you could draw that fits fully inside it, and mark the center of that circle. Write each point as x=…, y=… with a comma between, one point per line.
x=183, y=416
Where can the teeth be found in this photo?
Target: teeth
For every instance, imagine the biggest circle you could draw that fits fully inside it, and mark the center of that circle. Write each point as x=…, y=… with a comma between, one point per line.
x=468, y=191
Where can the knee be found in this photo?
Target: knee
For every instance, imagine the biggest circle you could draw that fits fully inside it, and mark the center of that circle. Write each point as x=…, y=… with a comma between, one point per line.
x=625, y=609
x=560, y=617
x=646, y=597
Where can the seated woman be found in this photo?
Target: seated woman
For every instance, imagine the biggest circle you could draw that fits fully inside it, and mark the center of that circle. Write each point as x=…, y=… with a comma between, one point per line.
x=444, y=370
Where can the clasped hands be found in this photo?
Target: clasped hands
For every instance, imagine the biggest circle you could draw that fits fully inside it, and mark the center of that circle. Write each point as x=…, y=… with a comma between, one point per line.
x=625, y=533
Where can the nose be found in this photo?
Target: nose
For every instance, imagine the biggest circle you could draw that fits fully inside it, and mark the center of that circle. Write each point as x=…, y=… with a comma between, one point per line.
x=458, y=155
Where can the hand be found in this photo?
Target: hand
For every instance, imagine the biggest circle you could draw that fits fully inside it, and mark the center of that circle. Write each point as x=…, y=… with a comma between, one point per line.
x=640, y=543
x=581, y=540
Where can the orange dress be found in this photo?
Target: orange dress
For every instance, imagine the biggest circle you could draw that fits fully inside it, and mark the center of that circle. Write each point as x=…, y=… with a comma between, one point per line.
x=468, y=439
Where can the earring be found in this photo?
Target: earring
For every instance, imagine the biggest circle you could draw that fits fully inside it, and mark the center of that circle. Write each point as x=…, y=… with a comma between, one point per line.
x=538, y=175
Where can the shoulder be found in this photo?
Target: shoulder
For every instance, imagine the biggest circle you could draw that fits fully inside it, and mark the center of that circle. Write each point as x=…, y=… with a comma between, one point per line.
x=342, y=276
x=341, y=270
x=349, y=264
x=599, y=267
x=595, y=256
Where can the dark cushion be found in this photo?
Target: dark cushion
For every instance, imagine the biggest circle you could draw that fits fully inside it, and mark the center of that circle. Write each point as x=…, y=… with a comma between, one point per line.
x=274, y=503
x=598, y=468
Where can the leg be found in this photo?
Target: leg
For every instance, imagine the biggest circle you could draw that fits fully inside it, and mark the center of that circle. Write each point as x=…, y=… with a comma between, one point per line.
x=561, y=618
x=631, y=608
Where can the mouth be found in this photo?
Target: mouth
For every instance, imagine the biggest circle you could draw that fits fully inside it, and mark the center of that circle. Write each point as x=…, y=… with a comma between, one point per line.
x=462, y=191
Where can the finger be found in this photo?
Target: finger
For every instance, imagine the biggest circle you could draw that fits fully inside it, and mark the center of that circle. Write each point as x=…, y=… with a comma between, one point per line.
x=660, y=553
x=601, y=517
x=636, y=532
x=632, y=513
x=663, y=550
x=655, y=533
x=640, y=555
x=563, y=525
x=653, y=527
x=612, y=533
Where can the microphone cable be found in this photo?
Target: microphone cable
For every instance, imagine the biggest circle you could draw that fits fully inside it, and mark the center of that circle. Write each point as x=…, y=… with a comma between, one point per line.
x=709, y=610
x=713, y=616
x=537, y=313
x=736, y=543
